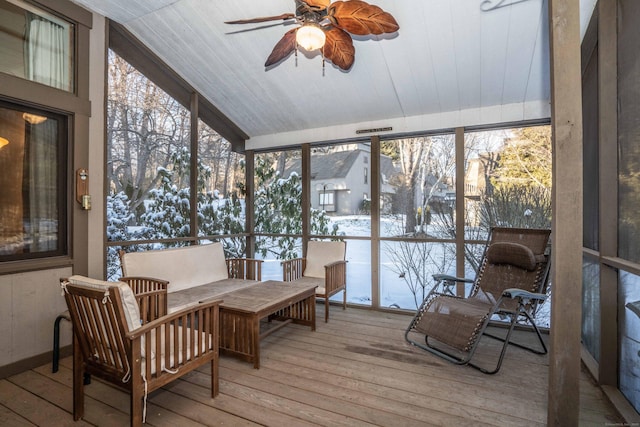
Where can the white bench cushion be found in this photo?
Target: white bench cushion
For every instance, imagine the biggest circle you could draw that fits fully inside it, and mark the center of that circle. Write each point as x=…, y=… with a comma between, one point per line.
x=182, y=267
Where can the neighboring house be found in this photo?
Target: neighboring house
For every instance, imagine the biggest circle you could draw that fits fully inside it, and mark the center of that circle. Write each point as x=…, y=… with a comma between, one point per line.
x=477, y=183
x=476, y=179
x=435, y=193
x=341, y=180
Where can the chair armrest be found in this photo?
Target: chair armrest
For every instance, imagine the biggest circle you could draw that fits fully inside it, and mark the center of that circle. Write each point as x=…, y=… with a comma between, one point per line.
x=522, y=294
x=334, y=264
x=179, y=341
x=178, y=316
x=335, y=275
x=292, y=269
x=447, y=278
x=446, y=284
x=244, y=268
x=151, y=295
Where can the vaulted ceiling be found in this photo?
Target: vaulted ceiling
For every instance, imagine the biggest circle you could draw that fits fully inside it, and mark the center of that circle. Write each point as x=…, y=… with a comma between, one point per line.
x=452, y=63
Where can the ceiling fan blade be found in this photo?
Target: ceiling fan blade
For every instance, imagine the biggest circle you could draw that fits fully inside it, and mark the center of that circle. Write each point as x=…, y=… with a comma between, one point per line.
x=361, y=18
x=283, y=17
x=317, y=4
x=246, y=30
x=338, y=48
x=283, y=48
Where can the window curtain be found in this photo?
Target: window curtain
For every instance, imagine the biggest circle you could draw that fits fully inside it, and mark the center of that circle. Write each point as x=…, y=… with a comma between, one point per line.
x=47, y=62
x=41, y=208
x=47, y=52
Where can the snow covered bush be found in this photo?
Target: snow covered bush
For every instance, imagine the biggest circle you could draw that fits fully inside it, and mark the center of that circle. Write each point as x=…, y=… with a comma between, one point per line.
x=278, y=210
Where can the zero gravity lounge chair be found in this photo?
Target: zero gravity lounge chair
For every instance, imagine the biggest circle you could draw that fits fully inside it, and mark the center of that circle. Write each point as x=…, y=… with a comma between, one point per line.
x=511, y=283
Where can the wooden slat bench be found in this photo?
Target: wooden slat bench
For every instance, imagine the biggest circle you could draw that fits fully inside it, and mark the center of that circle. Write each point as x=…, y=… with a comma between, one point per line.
x=190, y=273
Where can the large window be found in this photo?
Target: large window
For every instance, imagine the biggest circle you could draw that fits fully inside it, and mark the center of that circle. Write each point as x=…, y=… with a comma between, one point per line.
x=417, y=216
x=629, y=166
x=507, y=183
x=220, y=192
x=506, y=180
x=591, y=307
x=160, y=192
x=628, y=198
x=418, y=186
x=341, y=209
x=36, y=45
x=148, y=158
x=629, y=333
x=277, y=209
x=611, y=190
x=33, y=147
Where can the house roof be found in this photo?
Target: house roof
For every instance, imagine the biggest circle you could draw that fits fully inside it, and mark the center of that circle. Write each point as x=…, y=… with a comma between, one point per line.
x=332, y=165
x=336, y=165
x=452, y=63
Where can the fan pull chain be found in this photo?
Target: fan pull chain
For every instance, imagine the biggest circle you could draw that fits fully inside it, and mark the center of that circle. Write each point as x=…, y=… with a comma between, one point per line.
x=296, y=54
x=322, y=53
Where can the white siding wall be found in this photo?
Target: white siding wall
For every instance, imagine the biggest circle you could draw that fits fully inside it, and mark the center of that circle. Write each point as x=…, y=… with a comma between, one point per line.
x=30, y=302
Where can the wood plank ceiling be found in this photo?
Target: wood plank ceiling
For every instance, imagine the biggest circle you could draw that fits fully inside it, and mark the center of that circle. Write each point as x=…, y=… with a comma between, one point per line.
x=452, y=63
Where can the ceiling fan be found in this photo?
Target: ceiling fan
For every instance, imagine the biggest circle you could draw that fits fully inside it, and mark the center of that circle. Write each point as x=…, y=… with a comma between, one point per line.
x=328, y=26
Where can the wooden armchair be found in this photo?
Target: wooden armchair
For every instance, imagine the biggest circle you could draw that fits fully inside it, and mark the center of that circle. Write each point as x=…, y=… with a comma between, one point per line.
x=244, y=268
x=132, y=349
x=325, y=266
x=151, y=296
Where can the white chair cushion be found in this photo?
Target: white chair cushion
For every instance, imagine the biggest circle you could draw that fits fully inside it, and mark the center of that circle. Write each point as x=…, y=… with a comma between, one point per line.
x=175, y=351
x=320, y=254
x=130, y=305
x=183, y=267
x=318, y=282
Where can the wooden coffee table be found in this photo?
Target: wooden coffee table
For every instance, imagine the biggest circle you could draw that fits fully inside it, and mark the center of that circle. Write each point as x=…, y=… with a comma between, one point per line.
x=242, y=310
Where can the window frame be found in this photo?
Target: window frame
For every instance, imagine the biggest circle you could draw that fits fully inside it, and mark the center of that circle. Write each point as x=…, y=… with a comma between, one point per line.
x=76, y=108
x=62, y=193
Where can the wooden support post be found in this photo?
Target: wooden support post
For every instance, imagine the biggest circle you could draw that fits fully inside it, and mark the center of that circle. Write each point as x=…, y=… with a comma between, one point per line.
x=375, y=220
x=566, y=121
x=250, y=190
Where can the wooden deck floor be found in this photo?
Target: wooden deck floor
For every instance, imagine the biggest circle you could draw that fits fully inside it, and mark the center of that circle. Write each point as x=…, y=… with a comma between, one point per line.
x=355, y=370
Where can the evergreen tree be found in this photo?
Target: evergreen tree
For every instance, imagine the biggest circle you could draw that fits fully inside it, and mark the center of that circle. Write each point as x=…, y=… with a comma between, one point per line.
x=525, y=159
x=168, y=210
x=119, y=217
x=521, y=193
x=278, y=205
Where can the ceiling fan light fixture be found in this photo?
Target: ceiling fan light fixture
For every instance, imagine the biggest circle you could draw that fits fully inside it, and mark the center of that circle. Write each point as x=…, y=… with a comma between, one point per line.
x=310, y=36
x=329, y=26
x=33, y=119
